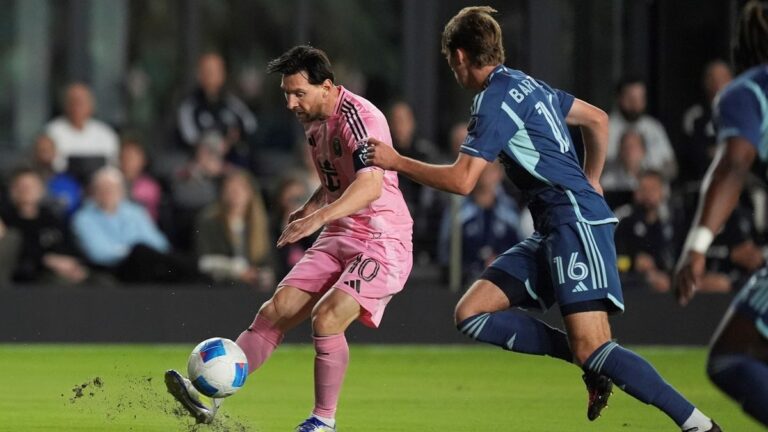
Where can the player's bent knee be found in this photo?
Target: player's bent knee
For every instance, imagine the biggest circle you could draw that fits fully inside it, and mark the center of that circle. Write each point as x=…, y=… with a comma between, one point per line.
x=584, y=348
x=462, y=313
x=326, y=322
x=483, y=296
x=269, y=311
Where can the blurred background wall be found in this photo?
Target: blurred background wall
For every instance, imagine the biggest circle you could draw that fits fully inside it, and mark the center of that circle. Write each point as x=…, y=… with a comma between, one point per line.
x=139, y=55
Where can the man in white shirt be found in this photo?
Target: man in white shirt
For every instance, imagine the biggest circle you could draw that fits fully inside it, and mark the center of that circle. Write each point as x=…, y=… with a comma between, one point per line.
x=630, y=113
x=77, y=133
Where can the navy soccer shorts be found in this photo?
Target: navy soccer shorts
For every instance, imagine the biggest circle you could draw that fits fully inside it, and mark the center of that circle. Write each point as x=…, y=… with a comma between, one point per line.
x=574, y=265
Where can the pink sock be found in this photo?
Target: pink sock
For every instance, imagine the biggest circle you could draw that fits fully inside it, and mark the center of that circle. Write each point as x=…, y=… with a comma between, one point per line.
x=259, y=341
x=331, y=360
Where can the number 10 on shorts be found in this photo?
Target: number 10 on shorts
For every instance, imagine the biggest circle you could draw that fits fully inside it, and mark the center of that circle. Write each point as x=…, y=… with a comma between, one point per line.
x=577, y=271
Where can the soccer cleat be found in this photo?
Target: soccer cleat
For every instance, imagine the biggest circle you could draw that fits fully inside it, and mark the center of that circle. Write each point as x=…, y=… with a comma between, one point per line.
x=313, y=424
x=188, y=396
x=600, y=388
x=714, y=428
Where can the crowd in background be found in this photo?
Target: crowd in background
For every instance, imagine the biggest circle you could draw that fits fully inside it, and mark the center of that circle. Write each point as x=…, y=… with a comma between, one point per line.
x=89, y=205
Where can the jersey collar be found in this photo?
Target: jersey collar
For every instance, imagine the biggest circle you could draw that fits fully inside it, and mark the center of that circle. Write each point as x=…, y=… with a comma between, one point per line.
x=498, y=69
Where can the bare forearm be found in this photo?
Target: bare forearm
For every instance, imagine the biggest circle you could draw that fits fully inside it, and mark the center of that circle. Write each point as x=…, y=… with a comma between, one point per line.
x=315, y=201
x=595, y=146
x=720, y=196
x=593, y=123
x=359, y=195
x=444, y=177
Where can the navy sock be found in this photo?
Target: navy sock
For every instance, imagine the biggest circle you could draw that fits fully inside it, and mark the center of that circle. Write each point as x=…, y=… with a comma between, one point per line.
x=516, y=331
x=743, y=378
x=636, y=376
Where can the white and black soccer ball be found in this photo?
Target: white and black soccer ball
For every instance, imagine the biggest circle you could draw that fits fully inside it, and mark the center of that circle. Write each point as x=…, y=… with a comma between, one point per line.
x=217, y=367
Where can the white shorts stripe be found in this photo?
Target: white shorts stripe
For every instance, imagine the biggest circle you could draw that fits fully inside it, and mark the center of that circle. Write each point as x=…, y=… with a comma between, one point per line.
x=592, y=268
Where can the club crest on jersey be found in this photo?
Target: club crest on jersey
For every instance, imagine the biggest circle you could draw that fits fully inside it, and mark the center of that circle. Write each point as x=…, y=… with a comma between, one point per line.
x=337, y=146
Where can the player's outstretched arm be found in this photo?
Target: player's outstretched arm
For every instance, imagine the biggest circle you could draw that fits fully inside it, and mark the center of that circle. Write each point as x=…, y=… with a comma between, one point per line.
x=719, y=195
x=365, y=189
x=593, y=123
x=459, y=177
x=314, y=202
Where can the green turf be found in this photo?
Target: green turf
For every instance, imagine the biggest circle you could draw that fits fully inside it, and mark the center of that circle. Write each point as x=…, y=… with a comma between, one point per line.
x=387, y=389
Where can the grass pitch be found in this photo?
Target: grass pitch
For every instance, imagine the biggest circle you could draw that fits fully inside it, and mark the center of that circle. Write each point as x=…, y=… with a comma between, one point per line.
x=388, y=388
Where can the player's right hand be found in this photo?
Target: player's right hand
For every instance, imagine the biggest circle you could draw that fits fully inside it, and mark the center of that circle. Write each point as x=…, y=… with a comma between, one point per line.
x=382, y=155
x=296, y=214
x=688, y=275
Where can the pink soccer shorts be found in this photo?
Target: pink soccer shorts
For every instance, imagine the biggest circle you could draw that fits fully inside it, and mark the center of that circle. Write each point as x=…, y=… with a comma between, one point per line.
x=371, y=271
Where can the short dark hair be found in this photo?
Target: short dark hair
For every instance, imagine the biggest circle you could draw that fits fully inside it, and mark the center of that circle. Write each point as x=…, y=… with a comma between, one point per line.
x=627, y=81
x=632, y=131
x=304, y=58
x=649, y=172
x=475, y=31
x=750, y=44
x=23, y=170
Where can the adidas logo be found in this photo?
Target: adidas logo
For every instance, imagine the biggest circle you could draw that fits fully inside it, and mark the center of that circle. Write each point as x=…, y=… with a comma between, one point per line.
x=580, y=287
x=353, y=284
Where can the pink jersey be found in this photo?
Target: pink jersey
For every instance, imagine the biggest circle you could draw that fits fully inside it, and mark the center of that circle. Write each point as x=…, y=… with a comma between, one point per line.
x=335, y=142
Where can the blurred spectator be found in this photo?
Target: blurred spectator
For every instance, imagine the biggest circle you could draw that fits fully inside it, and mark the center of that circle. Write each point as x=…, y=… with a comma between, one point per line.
x=630, y=112
x=489, y=220
x=47, y=253
x=457, y=136
x=292, y=193
x=402, y=124
x=421, y=201
x=697, y=149
x=63, y=190
x=645, y=237
x=196, y=185
x=733, y=255
x=620, y=177
x=211, y=107
x=431, y=205
x=142, y=188
x=119, y=236
x=232, y=236
x=308, y=170
x=10, y=244
x=77, y=133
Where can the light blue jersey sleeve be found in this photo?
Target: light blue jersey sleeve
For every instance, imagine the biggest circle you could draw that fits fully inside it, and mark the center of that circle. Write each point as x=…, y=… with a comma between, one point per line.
x=488, y=132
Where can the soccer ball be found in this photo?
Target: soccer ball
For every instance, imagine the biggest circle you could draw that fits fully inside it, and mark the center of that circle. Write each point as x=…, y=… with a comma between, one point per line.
x=217, y=367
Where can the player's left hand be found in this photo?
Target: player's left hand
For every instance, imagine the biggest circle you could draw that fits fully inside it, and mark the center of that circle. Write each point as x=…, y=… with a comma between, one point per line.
x=687, y=275
x=382, y=155
x=299, y=229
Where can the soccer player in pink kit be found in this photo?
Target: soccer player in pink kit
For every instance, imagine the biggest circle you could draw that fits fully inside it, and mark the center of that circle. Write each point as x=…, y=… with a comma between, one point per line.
x=360, y=260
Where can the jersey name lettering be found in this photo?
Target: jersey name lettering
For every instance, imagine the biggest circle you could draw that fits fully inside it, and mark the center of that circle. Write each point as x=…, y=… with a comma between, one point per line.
x=524, y=88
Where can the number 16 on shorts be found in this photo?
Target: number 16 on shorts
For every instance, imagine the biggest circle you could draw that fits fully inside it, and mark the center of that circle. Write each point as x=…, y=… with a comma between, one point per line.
x=575, y=270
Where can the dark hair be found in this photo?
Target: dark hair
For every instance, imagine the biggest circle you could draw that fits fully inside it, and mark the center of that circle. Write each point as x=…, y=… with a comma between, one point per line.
x=23, y=170
x=627, y=81
x=750, y=44
x=632, y=131
x=303, y=58
x=475, y=31
x=652, y=173
x=128, y=142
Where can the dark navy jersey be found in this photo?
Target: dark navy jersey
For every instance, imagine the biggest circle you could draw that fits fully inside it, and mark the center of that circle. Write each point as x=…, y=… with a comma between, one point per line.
x=521, y=121
x=741, y=110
